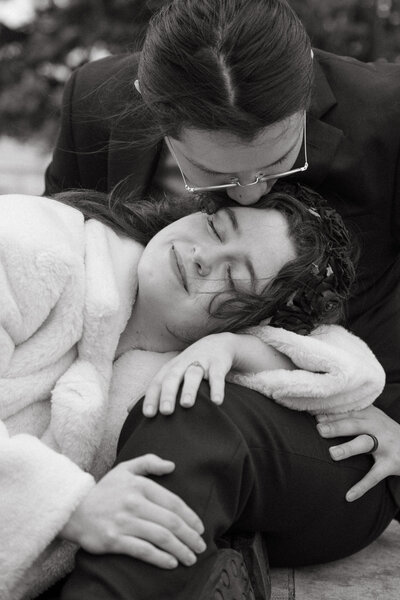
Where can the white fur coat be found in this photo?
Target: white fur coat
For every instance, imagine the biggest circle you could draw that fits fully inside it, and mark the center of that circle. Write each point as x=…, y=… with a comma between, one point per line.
x=66, y=293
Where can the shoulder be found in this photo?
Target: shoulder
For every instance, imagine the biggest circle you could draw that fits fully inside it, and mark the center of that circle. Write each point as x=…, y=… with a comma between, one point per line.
x=35, y=222
x=348, y=75
x=104, y=83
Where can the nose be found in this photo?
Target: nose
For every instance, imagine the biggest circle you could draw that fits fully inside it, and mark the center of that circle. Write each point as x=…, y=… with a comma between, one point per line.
x=247, y=195
x=202, y=261
x=210, y=259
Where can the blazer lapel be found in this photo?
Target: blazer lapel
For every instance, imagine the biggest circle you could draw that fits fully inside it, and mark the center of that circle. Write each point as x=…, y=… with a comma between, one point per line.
x=323, y=139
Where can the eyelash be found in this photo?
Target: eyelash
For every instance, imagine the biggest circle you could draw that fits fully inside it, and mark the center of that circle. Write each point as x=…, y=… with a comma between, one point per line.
x=215, y=232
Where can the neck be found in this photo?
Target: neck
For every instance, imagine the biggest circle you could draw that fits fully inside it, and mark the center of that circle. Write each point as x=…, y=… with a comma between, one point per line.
x=145, y=332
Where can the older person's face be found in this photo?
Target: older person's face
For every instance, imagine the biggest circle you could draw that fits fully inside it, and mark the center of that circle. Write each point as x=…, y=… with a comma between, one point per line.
x=213, y=158
x=191, y=260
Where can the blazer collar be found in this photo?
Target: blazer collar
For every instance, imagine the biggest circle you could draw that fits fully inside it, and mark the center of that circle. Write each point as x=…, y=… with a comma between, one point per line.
x=323, y=139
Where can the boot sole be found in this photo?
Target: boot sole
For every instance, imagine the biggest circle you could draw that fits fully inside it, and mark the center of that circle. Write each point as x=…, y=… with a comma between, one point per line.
x=240, y=572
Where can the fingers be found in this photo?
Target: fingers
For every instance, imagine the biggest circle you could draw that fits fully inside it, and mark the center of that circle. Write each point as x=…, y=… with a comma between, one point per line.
x=165, y=540
x=217, y=383
x=331, y=418
x=149, y=464
x=163, y=391
x=193, y=377
x=377, y=473
x=152, y=399
x=146, y=552
x=359, y=445
x=172, y=523
x=343, y=427
x=168, y=532
x=171, y=502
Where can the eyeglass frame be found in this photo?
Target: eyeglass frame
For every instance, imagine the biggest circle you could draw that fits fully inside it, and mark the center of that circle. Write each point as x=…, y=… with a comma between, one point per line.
x=235, y=181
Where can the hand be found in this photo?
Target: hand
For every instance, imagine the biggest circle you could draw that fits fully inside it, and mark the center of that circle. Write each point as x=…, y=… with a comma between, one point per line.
x=126, y=513
x=209, y=358
x=369, y=420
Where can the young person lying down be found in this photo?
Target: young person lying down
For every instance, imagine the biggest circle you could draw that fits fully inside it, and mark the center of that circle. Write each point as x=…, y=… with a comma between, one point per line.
x=78, y=293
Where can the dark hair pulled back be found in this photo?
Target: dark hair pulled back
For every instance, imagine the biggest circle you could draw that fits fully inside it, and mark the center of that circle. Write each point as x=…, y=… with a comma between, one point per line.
x=229, y=65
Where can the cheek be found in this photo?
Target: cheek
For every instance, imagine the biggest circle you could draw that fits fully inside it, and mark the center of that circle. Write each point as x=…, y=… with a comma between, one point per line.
x=190, y=319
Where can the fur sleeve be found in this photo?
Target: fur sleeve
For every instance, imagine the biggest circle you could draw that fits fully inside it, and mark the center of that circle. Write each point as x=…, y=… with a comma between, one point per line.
x=337, y=372
x=39, y=491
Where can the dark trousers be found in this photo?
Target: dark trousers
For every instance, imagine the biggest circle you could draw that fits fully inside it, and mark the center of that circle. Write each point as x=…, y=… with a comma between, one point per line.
x=245, y=466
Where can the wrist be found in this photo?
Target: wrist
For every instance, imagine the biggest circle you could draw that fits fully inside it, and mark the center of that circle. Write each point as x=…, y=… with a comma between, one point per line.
x=72, y=529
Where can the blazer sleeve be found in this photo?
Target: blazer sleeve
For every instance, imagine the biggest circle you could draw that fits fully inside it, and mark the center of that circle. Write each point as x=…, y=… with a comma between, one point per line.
x=337, y=372
x=63, y=171
x=95, y=97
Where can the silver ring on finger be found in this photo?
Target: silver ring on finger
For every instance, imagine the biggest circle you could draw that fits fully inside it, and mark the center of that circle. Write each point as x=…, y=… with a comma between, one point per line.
x=196, y=363
x=375, y=441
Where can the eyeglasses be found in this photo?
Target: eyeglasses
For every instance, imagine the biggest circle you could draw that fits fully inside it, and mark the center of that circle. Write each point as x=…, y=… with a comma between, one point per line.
x=235, y=181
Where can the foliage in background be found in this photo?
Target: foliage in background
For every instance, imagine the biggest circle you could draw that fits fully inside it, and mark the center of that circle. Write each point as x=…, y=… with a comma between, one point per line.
x=37, y=59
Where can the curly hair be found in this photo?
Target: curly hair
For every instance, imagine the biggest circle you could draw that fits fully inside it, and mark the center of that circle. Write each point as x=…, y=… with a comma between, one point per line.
x=310, y=290
x=313, y=288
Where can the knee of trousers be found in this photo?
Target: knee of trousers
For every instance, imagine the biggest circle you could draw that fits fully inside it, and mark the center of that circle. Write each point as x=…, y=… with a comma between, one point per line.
x=205, y=442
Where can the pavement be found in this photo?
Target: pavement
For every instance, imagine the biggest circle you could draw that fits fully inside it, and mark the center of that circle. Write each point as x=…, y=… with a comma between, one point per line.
x=371, y=574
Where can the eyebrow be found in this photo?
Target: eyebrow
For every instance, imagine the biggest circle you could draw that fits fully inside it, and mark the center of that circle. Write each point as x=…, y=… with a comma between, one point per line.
x=276, y=162
x=235, y=226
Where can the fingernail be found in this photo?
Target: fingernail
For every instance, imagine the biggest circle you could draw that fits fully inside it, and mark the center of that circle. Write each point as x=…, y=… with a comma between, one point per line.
x=190, y=558
x=199, y=527
x=149, y=411
x=186, y=400
x=323, y=428
x=200, y=545
x=336, y=452
x=350, y=496
x=172, y=563
x=166, y=407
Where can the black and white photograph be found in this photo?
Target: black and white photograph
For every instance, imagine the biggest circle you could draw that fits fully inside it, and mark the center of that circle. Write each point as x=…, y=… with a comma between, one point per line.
x=199, y=299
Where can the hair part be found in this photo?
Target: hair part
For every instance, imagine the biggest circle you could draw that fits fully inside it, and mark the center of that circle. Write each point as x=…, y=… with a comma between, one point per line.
x=236, y=66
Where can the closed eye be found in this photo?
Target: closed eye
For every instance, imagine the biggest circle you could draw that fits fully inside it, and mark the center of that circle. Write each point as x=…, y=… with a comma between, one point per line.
x=212, y=227
x=217, y=235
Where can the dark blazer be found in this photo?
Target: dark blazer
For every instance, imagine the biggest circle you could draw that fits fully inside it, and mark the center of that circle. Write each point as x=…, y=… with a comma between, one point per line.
x=353, y=129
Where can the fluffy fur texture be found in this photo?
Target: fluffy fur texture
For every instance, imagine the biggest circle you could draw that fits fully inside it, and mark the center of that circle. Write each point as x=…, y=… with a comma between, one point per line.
x=66, y=293
x=67, y=289
x=337, y=371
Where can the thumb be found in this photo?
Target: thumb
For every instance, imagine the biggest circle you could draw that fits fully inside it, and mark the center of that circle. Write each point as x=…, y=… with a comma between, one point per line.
x=150, y=464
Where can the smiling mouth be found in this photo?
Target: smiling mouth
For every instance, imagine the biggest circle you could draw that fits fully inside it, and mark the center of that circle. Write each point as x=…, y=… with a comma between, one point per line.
x=179, y=267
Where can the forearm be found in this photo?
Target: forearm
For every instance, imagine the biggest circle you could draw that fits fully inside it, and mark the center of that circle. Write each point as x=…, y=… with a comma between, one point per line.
x=253, y=356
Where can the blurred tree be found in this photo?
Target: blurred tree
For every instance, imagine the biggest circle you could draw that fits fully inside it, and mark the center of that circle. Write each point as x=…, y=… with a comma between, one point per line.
x=364, y=29
x=37, y=58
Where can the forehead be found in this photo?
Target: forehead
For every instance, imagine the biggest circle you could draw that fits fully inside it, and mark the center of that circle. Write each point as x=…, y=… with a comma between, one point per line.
x=226, y=153
x=265, y=235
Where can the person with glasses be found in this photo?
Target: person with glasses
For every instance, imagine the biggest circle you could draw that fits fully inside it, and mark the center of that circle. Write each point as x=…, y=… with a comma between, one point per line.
x=230, y=95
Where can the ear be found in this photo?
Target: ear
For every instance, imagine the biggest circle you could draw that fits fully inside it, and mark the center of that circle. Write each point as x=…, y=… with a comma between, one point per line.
x=137, y=86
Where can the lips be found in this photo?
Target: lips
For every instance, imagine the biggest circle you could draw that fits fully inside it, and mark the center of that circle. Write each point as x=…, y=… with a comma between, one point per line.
x=178, y=267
